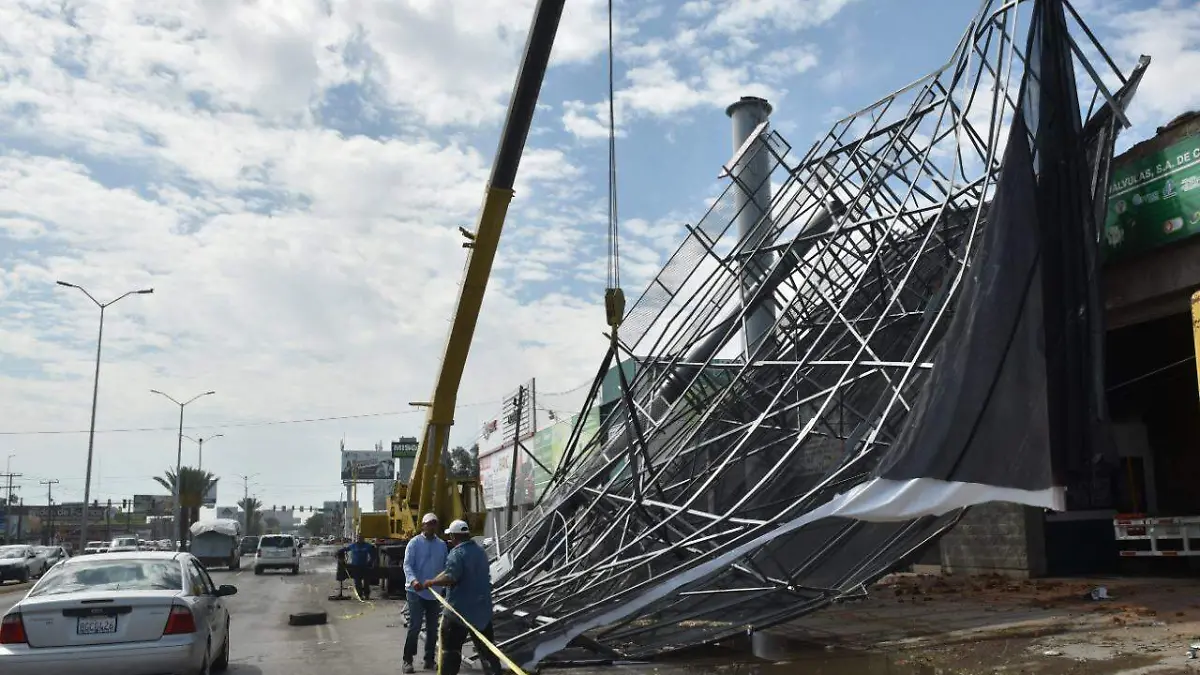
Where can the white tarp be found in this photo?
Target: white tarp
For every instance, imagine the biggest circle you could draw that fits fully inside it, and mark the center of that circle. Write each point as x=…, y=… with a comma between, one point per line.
x=231, y=528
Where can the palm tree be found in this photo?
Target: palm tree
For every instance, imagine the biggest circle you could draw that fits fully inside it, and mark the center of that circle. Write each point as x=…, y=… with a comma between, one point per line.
x=252, y=511
x=193, y=485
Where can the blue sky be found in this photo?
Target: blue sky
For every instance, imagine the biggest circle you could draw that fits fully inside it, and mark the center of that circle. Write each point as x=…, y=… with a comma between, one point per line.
x=289, y=177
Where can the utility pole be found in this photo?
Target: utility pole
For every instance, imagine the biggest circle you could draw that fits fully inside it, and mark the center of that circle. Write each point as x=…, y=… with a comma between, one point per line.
x=49, y=528
x=246, y=499
x=8, y=501
x=519, y=407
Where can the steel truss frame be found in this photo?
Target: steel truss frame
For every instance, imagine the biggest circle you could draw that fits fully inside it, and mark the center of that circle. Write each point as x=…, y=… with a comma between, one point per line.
x=861, y=255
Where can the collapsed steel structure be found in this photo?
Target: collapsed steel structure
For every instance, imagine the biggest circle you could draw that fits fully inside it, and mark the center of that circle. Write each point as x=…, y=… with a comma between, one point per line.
x=926, y=277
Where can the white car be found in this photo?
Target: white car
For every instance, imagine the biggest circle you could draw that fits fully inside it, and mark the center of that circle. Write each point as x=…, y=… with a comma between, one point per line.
x=94, y=547
x=123, y=544
x=277, y=551
x=134, y=613
x=21, y=563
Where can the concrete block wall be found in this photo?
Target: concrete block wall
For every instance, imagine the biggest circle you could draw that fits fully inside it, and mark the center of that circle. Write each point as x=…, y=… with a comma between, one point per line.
x=1006, y=539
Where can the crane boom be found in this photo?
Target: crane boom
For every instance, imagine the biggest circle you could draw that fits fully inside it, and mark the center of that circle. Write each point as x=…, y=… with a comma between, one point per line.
x=429, y=488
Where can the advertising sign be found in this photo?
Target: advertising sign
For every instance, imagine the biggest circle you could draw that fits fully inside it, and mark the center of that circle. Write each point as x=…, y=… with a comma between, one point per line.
x=547, y=445
x=154, y=505
x=228, y=513
x=367, y=465
x=210, y=497
x=1154, y=201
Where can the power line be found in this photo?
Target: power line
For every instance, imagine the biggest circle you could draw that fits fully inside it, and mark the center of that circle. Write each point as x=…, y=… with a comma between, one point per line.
x=265, y=423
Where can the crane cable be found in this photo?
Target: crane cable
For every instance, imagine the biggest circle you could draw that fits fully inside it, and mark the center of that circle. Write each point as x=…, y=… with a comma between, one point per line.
x=614, y=297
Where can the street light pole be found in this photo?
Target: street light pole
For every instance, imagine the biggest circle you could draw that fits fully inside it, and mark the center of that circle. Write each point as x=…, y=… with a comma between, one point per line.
x=200, y=442
x=179, y=462
x=87, y=480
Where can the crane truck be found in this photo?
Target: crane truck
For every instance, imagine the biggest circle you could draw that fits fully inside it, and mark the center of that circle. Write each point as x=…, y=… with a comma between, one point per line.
x=430, y=487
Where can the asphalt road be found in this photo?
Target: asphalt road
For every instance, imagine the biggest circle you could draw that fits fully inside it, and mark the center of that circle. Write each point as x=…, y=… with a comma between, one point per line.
x=359, y=637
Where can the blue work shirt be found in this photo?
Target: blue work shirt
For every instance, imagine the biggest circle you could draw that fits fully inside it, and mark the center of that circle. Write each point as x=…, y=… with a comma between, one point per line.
x=424, y=559
x=471, y=594
x=361, y=554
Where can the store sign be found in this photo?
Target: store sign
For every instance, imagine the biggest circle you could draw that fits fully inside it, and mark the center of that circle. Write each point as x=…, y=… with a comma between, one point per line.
x=1153, y=201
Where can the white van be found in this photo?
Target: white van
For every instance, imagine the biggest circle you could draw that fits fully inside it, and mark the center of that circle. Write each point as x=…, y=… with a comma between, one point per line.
x=277, y=551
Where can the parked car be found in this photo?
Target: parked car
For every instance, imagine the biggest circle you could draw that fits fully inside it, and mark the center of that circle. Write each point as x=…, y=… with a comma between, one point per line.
x=134, y=613
x=21, y=563
x=277, y=551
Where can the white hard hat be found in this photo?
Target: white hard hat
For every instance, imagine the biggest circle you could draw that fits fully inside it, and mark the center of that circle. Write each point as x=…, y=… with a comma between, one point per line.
x=428, y=518
x=458, y=527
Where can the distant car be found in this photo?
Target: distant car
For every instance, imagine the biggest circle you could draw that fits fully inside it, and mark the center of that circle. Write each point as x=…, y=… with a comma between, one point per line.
x=51, y=554
x=249, y=545
x=20, y=563
x=123, y=544
x=94, y=547
x=277, y=551
x=133, y=613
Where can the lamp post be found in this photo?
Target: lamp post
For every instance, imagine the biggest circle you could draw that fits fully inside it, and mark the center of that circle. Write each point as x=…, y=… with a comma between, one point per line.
x=179, y=462
x=87, y=480
x=200, y=442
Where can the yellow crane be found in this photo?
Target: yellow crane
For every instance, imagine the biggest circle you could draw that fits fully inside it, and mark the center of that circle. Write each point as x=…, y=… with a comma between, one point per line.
x=429, y=488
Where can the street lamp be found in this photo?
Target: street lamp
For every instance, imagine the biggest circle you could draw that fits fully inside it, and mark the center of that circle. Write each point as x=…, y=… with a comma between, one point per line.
x=179, y=461
x=87, y=480
x=200, y=442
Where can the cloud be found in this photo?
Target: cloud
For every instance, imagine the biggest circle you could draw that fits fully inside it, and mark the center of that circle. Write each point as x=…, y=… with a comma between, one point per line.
x=712, y=54
x=300, y=269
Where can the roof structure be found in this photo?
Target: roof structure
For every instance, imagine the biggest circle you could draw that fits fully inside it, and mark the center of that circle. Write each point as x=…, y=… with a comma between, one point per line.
x=930, y=269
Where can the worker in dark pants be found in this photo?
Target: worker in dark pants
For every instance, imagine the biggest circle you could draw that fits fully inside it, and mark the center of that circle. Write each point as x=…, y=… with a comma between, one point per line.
x=470, y=595
x=362, y=557
x=424, y=557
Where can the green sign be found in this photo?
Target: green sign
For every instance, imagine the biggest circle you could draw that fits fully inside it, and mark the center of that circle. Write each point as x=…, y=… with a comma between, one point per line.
x=1154, y=201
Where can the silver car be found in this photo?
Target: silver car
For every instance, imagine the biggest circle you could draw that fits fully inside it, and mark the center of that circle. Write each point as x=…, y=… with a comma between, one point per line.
x=134, y=613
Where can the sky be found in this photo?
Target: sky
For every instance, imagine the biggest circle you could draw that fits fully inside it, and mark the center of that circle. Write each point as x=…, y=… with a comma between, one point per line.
x=290, y=176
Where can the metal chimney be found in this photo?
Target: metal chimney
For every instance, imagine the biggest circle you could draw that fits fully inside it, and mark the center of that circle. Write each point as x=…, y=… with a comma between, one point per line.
x=751, y=171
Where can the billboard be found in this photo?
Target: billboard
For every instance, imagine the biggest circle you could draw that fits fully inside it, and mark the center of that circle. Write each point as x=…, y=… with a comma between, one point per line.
x=367, y=465
x=229, y=513
x=154, y=505
x=1154, y=200
x=532, y=477
x=210, y=497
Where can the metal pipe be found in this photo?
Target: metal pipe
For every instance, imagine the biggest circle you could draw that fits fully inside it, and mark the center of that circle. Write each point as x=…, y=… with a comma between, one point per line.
x=752, y=199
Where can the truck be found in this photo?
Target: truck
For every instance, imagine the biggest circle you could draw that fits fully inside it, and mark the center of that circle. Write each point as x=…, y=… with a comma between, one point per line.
x=217, y=543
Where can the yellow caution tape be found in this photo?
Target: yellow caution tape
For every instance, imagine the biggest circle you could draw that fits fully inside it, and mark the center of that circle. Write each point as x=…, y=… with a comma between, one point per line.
x=479, y=636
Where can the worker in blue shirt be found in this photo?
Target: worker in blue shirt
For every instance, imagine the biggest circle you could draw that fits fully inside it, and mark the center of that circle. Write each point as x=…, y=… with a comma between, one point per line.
x=468, y=576
x=361, y=564
x=424, y=557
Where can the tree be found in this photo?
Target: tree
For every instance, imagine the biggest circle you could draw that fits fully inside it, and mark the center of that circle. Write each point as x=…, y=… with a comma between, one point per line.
x=252, y=515
x=315, y=525
x=464, y=463
x=193, y=485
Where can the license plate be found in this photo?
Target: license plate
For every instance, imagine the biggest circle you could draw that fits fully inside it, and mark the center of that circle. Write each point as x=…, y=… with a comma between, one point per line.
x=96, y=625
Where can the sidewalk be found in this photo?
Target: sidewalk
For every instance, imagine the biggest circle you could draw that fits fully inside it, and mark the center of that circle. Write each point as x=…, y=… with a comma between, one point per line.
x=971, y=624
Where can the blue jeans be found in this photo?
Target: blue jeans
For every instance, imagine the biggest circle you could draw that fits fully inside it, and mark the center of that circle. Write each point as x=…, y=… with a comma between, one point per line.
x=421, y=610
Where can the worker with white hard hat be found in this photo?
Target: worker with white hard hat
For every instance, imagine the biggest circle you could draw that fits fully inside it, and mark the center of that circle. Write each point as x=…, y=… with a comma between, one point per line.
x=469, y=579
x=424, y=556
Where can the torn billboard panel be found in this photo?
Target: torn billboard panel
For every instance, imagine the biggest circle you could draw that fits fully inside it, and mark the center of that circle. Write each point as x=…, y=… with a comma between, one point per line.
x=935, y=332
